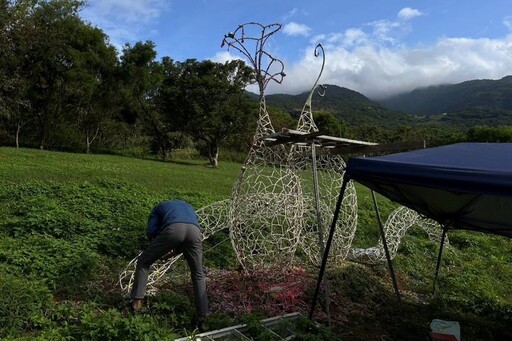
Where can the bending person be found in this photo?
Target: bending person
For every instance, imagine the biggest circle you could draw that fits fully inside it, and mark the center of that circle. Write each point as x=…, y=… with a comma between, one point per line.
x=174, y=229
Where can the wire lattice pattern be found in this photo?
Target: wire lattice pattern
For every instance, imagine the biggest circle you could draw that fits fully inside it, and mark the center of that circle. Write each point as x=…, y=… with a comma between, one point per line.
x=284, y=197
x=212, y=219
x=395, y=228
x=266, y=210
x=317, y=218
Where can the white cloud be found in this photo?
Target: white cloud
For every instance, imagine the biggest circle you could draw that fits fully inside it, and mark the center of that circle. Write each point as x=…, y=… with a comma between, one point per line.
x=408, y=13
x=389, y=32
x=351, y=37
x=385, y=31
x=374, y=60
x=290, y=14
x=354, y=36
x=124, y=20
x=223, y=56
x=295, y=29
x=507, y=21
x=378, y=72
x=127, y=11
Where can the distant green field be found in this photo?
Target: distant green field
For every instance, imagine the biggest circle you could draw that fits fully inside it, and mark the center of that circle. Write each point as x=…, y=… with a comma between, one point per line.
x=18, y=165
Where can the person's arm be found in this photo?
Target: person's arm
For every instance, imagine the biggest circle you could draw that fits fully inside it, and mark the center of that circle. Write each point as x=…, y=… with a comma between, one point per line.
x=153, y=223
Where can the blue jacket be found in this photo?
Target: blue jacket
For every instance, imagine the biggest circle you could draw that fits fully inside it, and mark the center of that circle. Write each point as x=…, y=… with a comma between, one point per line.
x=170, y=212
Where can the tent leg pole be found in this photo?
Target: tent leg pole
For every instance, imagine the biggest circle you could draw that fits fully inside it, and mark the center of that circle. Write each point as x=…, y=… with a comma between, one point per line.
x=439, y=259
x=385, y=244
x=328, y=244
x=320, y=227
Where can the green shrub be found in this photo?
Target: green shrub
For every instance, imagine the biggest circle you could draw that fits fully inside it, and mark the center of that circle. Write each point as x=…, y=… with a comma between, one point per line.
x=171, y=309
x=232, y=156
x=301, y=328
x=358, y=284
x=196, y=199
x=218, y=251
x=61, y=264
x=111, y=325
x=307, y=330
x=107, y=216
x=22, y=303
x=185, y=154
x=74, y=321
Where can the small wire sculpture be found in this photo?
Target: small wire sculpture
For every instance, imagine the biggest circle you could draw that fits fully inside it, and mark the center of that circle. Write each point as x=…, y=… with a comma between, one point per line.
x=212, y=219
x=398, y=223
x=320, y=189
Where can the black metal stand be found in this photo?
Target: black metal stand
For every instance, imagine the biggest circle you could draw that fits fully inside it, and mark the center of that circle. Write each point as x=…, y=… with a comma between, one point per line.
x=328, y=245
x=439, y=258
x=385, y=244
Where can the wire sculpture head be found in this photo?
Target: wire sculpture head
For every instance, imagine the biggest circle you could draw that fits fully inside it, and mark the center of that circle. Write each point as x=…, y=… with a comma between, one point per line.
x=266, y=67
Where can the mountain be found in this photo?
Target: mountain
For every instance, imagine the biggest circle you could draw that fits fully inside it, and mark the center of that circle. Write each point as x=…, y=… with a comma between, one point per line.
x=463, y=105
x=348, y=105
x=472, y=96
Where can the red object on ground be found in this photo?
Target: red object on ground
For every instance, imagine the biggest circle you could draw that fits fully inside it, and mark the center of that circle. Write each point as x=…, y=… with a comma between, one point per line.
x=442, y=337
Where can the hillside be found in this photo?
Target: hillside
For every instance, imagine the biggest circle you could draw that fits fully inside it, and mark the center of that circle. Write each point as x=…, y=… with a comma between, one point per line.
x=350, y=106
x=474, y=116
x=472, y=95
x=465, y=105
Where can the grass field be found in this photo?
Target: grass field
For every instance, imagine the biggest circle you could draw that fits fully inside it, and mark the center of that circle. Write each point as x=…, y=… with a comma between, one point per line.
x=156, y=176
x=70, y=222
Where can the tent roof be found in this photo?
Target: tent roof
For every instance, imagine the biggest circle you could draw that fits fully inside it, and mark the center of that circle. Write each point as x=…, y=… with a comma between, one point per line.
x=464, y=185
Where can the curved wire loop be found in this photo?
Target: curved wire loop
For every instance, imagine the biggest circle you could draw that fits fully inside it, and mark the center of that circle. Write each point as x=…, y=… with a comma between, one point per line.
x=266, y=67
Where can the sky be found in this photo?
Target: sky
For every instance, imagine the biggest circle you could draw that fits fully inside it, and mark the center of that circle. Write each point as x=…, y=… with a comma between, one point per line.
x=377, y=47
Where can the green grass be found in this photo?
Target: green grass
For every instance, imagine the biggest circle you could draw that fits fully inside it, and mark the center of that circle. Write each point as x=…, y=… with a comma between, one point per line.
x=69, y=223
x=19, y=165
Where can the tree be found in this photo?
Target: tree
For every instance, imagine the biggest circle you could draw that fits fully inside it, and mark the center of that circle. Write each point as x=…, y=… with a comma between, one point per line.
x=280, y=119
x=143, y=77
x=90, y=82
x=51, y=67
x=368, y=132
x=209, y=101
x=47, y=63
x=490, y=134
x=330, y=124
x=15, y=40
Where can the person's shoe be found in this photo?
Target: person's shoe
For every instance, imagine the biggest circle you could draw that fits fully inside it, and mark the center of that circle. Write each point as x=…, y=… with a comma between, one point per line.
x=135, y=306
x=132, y=310
x=199, y=323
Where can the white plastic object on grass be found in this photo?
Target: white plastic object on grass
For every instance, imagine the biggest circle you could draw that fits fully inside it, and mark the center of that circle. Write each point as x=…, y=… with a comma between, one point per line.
x=446, y=327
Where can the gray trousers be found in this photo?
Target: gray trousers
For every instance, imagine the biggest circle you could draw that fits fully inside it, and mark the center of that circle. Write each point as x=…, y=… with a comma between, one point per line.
x=184, y=238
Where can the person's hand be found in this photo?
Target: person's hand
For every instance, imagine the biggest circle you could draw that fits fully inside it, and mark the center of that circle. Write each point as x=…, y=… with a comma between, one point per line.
x=170, y=254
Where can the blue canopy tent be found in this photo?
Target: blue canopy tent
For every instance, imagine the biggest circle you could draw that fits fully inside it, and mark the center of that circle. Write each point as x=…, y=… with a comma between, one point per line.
x=462, y=186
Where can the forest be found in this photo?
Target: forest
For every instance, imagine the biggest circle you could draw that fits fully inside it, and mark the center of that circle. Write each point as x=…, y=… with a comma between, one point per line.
x=64, y=87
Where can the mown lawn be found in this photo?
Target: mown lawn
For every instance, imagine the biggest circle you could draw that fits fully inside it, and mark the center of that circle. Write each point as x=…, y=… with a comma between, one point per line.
x=18, y=165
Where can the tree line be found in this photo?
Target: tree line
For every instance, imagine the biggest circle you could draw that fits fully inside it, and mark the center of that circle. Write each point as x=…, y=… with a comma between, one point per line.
x=63, y=86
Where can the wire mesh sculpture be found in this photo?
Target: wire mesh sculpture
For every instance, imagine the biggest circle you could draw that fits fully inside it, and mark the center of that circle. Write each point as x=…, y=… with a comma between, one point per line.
x=284, y=197
x=320, y=186
x=255, y=207
x=397, y=224
x=266, y=209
